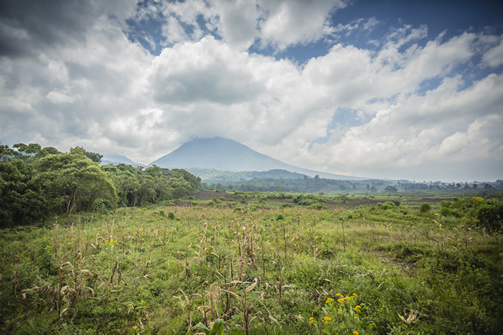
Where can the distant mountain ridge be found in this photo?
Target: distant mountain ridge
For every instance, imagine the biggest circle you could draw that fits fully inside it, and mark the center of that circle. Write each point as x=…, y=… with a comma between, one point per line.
x=227, y=155
x=117, y=159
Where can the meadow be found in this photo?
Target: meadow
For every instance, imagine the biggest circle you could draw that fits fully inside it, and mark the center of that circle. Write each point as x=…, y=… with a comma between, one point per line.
x=255, y=264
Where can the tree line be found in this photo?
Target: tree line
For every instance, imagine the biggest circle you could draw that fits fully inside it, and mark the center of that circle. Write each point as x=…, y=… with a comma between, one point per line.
x=37, y=182
x=304, y=185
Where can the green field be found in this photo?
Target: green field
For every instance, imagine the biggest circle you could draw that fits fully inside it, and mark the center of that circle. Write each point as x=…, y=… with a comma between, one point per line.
x=264, y=264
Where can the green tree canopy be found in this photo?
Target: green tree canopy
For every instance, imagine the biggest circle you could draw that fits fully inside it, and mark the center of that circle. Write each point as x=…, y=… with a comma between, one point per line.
x=74, y=179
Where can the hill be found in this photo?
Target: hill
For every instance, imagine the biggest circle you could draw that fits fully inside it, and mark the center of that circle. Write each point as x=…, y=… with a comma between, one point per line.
x=227, y=155
x=117, y=159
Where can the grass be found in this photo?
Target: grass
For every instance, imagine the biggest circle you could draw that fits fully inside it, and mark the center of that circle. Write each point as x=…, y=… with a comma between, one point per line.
x=267, y=271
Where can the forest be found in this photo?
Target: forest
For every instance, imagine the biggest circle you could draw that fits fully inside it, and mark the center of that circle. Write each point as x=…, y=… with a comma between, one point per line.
x=37, y=183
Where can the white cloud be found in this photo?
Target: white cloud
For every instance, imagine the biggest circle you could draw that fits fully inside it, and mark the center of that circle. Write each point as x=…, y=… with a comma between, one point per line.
x=59, y=98
x=494, y=57
x=101, y=91
x=293, y=22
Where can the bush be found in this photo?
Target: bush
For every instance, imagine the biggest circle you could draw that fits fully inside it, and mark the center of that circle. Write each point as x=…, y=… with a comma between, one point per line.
x=279, y=217
x=162, y=213
x=171, y=215
x=424, y=207
x=491, y=216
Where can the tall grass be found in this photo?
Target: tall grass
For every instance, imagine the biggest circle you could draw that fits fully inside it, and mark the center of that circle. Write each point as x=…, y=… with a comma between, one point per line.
x=140, y=271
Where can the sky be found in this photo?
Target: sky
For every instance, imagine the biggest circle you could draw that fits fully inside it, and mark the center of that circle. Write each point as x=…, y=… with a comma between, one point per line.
x=396, y=89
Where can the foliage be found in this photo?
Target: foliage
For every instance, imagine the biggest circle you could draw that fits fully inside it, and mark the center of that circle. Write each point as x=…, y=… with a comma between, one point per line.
x=21, y=200
x=477, y=211
x=36, y=183
x=424, y=207
x=74, y=180
x=244, y=271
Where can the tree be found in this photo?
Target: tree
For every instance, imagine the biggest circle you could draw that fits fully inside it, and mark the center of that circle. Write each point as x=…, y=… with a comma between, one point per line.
x=22, y=201
x=73, y=179
x=94, y=156
x=52, y=150
x=390, y=189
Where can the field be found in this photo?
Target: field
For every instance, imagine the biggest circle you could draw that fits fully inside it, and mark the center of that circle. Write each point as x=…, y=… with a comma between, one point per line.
x=262, y=263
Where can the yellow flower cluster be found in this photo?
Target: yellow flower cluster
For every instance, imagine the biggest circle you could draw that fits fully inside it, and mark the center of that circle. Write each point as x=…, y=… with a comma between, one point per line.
x=355, y=333
x=478, y=198
x=111, y=242
x=329, y=300
x=311, y=321
x=327, y=319
x=358, y=308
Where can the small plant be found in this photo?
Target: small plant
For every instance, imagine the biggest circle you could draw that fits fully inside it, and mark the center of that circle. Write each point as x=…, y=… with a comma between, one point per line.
x=279, y=217
x=162, y=213
x=171, y=215
x=217, y=329
x=425, y=207
x=343, y=317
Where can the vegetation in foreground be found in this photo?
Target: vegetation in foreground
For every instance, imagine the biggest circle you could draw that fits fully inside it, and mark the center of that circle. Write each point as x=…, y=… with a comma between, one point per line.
x=286, y=270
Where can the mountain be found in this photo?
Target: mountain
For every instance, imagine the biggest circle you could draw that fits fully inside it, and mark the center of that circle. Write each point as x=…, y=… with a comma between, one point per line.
x=117, y=159
x=227, y=155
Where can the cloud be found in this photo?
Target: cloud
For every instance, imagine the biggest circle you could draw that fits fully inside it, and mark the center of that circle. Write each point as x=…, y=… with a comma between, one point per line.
x=240, y=23
x=494, y=57
x=28, y=26
x=204, y=71
x=294, y=22
x=80, y=81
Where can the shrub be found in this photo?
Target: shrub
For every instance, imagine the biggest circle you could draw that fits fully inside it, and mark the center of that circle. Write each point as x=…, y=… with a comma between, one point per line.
x=424, y=207
x=162, y=213
x=171, y=215
x=279, y=217
x=491, y=216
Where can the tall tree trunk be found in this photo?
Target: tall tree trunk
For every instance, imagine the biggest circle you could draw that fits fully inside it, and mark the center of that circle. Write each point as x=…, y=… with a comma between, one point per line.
x=71, y=203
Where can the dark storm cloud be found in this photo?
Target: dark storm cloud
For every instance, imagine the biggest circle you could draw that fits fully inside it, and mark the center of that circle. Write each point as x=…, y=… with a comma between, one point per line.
x=26, y=25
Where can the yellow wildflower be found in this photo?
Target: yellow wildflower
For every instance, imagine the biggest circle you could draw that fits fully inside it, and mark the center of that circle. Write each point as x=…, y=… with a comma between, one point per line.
x=347, y=298
x=357, y=308
x=354, y=294
x=355, y=333
x=311, y=321
x=327, y=319
x=373, y=324
x=338, y=295
x=329, y=300
x=341, y=300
